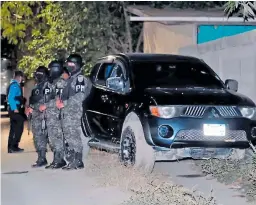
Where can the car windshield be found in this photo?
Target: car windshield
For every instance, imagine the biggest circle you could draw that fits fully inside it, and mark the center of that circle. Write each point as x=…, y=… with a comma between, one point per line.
x=180, y=74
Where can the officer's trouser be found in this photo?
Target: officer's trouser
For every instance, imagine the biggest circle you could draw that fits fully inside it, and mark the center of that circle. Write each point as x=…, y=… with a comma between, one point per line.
x=39, y=135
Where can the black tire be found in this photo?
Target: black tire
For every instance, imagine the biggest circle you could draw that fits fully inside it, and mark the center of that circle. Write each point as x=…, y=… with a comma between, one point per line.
x=83, y=127
x=85, y=139
x=134, y=150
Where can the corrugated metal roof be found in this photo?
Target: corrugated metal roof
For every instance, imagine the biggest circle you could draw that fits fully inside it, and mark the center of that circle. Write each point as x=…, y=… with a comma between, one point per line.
x=172, y=12
x=173, y=16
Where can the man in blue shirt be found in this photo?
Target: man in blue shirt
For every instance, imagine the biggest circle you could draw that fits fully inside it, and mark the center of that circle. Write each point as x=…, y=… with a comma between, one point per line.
x=15, y=101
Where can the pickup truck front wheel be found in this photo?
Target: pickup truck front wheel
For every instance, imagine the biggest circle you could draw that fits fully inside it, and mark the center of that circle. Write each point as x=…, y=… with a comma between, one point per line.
x=134, y=150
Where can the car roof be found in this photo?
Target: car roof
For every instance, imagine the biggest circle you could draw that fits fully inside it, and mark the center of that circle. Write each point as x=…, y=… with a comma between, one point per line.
x=156, y=57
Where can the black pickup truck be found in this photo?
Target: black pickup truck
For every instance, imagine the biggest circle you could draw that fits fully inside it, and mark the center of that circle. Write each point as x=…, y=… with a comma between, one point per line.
x=145, y=104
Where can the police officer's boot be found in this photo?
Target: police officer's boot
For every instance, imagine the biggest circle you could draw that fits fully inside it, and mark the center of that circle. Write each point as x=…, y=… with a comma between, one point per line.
x=79, y=158
x=54, y=160
x=41, y=161
x=59, y=162
x=72, y=164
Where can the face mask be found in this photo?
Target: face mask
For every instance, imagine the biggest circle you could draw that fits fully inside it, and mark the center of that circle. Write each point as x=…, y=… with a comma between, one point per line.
x=71, y=67
x=22, y=83
x=39, y=77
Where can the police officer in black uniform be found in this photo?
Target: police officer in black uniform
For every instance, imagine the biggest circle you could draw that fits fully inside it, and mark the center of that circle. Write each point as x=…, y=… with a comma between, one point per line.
x=39, y=100
x=75, y=92
x=54, y=120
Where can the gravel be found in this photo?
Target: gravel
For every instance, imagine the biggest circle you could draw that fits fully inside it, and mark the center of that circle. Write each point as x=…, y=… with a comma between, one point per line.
x=145, y=189
x=237, y=174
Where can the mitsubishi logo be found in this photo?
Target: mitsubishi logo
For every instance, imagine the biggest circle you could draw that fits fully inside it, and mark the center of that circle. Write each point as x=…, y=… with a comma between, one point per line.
x=213, y=113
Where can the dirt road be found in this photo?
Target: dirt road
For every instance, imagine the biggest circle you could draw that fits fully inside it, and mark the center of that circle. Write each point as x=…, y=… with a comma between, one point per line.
x=26, y=186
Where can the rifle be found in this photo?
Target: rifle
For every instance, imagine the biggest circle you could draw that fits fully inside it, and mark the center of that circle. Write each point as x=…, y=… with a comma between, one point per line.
x=29, y=116
x=29, y=123
x=61, y=117
x=44, y=117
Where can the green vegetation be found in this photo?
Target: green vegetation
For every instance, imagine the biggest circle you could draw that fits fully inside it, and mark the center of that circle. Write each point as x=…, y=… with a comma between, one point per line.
x=37, y=29
x=246, y=9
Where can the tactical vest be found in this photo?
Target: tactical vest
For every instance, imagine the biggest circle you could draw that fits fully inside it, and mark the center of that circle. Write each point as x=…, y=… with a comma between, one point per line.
x=70, y=90
x=59, y=89
x=48, y=93
x=41, y=91
x=36, y=94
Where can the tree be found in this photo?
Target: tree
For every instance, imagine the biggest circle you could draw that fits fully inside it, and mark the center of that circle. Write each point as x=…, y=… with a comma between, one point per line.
x=246, y=9
x=37, y=29
x=48, y=40
x=17, y=21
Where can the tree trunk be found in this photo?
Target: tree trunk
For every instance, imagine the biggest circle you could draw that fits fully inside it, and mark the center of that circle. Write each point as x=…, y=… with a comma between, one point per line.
x=128, y=29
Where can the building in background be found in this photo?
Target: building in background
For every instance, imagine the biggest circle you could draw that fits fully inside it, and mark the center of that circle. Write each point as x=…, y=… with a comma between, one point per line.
x=6, y=76
x=167, y=30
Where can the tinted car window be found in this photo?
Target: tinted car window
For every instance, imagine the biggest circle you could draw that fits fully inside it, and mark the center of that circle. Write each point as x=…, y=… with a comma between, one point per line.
x=175, y=74
x=108, y=70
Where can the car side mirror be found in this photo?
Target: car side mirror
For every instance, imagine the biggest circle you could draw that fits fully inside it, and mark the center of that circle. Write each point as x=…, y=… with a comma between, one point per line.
x=115, y=83
x=231, y=85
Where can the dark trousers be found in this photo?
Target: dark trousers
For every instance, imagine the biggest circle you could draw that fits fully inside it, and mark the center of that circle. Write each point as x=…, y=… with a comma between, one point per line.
x=16, y=129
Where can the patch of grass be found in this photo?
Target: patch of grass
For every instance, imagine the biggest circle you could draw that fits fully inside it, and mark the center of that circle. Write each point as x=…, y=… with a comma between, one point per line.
x=238, y=174
x=145, y=189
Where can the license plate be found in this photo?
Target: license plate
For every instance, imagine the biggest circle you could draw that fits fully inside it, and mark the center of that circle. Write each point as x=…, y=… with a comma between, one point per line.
x=215, y=130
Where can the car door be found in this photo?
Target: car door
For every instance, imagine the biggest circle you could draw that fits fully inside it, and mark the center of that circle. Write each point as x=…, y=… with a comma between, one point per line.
x=107, y=104
x=118, y=99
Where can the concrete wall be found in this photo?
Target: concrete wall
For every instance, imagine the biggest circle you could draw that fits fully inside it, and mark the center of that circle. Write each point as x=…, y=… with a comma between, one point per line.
x=160, y=38
x=232, y=57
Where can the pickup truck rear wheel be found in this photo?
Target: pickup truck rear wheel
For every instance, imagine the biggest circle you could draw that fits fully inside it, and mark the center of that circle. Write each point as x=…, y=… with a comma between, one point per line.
x=134, y=150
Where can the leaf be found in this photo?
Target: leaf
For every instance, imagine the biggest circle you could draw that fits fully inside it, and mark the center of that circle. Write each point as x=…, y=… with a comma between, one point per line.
x=21, y=27
x=246, y=8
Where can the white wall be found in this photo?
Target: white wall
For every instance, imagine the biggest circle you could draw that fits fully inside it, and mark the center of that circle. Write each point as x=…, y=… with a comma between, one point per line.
x=232, y=57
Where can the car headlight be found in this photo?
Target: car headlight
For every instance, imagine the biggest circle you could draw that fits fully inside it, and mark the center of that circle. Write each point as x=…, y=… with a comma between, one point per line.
x=165, y=111
x=248, y=112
